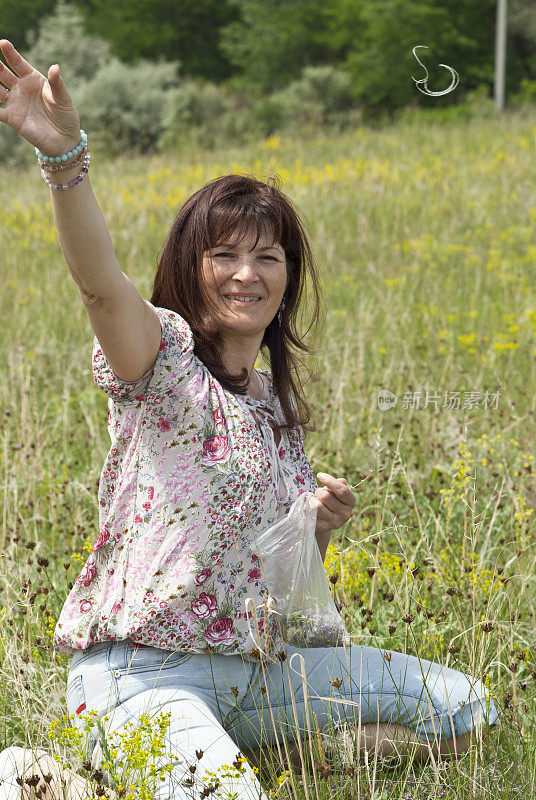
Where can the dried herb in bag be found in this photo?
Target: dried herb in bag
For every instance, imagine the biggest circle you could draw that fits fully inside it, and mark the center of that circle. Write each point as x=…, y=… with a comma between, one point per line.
x=293, y=569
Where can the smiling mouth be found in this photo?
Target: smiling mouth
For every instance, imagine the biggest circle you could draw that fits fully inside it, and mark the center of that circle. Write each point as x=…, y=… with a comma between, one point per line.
x=242, y=302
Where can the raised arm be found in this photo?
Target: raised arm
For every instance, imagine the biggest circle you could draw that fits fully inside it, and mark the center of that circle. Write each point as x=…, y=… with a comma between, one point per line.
x=40, y=109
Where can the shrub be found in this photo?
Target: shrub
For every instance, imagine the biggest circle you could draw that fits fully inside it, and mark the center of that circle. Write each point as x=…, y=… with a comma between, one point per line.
x=61, y=39
x=476, y=103
x=125, y=103
x=14, y=150
x=271, y=114
x=322, y=95
x=526, y=96
x=204, y=113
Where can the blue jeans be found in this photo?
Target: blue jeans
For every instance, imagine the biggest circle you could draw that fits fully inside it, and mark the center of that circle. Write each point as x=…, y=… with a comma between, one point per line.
x=222, y=704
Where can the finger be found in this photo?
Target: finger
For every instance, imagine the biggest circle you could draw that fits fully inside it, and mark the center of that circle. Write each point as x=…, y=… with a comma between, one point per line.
x=6, y=76
x=59, y=90
x=344, y=493
x=327, y=520
x=18, y=64
x=332, y=503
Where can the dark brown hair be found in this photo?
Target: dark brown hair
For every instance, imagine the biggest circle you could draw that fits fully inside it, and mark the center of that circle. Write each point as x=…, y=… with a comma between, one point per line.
x=231, y=206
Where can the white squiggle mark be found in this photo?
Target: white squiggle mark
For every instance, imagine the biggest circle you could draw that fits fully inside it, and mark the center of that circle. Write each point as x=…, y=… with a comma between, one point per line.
x=424, y=81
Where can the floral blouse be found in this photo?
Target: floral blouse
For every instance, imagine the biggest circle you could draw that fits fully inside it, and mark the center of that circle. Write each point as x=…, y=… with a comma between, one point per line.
x=192, y=476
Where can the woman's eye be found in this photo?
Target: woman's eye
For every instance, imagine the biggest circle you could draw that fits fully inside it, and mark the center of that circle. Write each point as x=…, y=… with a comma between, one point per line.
x=220, y=255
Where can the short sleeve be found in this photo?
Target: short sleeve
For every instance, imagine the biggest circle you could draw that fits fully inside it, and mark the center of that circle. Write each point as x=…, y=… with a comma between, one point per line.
x=176, y=346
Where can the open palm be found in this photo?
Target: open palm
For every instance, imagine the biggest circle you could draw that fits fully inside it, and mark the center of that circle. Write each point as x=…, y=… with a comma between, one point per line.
x=38, y=107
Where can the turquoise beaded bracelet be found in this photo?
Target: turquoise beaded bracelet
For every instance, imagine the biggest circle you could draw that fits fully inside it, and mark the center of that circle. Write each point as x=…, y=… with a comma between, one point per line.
x=49, y=159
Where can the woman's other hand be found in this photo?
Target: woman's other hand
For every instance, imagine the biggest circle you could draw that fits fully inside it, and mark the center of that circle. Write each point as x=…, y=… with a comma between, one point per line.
x=38, y=108
x=336, y=503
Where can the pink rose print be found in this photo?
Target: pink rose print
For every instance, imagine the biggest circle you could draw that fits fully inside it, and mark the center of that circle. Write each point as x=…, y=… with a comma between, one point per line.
x=138, y=519
x=254, y=574
x=216, y=448
x=163, y=425
x=203, y=576
x=218, y=416
x=220, y=631
x=88, y=574
x=204, y=606
x=116, y=608
x=85, y=605
x=104, y=535
x=150, y=492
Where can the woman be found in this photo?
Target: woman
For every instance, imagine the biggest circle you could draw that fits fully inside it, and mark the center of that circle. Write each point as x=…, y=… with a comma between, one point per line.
x=206, y=453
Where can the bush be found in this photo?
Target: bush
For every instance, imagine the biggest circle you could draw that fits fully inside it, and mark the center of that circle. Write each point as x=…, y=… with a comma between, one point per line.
x=271, y=114
x=61, y=39
x=14, y=150
x=526, y=96
x=205, y=114
x=125, y=103
x=322, y=95
x=239, y=125
x=476, y=103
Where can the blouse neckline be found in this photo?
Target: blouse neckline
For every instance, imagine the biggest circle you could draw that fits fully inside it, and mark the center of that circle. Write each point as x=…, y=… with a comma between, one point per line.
x=271, y=396
x=267, y=410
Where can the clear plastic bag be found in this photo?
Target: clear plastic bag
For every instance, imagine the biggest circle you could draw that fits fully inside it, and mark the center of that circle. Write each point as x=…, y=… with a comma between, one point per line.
x=293, y=569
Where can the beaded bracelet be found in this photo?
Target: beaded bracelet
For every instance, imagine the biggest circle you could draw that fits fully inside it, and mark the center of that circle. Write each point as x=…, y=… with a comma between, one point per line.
x=74, y=181
x=74, y=152
x=59, y=167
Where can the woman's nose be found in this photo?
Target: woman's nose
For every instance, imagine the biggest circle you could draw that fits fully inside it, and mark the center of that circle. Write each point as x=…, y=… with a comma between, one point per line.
x=244, y=265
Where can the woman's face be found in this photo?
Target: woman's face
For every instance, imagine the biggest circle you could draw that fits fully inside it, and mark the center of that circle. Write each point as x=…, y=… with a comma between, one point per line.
x=242, y=271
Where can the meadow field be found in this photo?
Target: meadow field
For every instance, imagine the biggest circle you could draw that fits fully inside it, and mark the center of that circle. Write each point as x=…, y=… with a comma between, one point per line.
x=425, y=238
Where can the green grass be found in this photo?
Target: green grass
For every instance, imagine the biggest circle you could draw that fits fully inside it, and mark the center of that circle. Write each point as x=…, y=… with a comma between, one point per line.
x=425, y=237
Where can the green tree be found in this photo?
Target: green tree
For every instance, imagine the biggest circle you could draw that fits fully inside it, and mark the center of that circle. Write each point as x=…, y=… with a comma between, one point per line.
x=19, y=17
x=521, y=42
x=61, y=38
x=183, y=30
x=274, y=39
x=382, y=64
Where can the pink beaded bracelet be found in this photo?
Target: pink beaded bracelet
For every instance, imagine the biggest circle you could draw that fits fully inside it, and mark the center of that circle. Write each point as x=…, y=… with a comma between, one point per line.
x=78, y=179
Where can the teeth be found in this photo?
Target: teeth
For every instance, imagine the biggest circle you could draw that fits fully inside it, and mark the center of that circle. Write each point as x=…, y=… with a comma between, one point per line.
x=242, y=298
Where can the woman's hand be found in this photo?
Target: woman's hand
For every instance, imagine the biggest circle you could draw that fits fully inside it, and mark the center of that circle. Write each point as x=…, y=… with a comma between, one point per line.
x=336, y=503
x=38, y=108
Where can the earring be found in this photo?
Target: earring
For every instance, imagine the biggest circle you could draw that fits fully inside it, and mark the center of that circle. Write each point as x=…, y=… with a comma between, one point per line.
x=281, y=308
